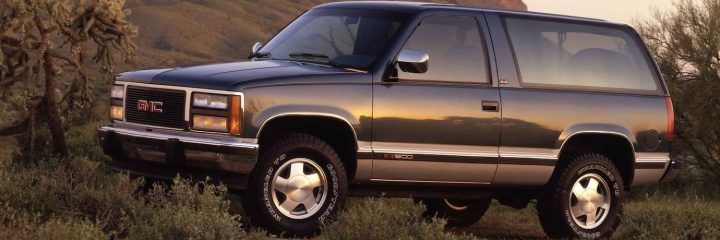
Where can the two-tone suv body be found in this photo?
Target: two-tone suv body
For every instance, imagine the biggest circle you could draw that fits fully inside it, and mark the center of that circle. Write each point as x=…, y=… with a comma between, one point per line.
x=452, y=106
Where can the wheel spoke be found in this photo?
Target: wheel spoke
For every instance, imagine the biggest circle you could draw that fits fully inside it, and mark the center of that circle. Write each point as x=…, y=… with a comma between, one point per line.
x=599, y=200
x=281, y=184
x=309, y=202
x=314, y=180
x=577, y=211
x=289, y=205
x=296, y=169
x=593, y=185
x=578, y=190
x=591, y=217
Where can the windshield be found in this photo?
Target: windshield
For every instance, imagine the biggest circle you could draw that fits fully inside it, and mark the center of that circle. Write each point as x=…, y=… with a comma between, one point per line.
x=339, y=37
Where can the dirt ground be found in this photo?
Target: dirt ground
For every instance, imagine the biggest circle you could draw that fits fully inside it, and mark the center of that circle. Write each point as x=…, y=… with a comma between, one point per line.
x=506, y=223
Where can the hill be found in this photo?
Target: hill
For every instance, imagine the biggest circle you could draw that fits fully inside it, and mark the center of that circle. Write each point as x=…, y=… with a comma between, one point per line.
x=178, y=32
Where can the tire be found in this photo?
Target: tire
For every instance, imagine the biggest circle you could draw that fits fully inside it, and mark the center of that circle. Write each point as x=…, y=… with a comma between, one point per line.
x=576, y=191
x=299, y=182
x=458, y=213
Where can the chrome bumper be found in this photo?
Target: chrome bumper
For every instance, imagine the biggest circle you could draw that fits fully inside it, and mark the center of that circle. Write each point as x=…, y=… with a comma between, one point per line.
x=163, y=153
x=186, y=137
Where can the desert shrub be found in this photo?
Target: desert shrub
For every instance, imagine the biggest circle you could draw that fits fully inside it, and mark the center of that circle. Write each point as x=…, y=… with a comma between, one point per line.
x=685, y=43
x=377, y=218
x=187, y=211
x=670, y=218
x=18, y=224
x=79, y=194
x=78, y=188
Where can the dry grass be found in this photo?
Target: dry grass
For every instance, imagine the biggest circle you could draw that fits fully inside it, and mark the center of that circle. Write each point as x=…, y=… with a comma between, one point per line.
x=51, y=199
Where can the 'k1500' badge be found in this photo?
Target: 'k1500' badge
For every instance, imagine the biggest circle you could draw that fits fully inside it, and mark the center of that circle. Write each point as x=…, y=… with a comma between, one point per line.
x=398, y=156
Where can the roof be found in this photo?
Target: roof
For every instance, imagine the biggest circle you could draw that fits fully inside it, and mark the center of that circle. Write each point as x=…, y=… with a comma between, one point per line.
x=413, y=7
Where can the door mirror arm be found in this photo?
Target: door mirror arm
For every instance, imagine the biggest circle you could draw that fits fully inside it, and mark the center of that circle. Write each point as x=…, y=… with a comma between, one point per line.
x=391, y=75
x=256, y=47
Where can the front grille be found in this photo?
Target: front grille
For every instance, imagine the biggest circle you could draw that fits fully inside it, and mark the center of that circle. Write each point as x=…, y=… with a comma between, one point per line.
x=173, y=107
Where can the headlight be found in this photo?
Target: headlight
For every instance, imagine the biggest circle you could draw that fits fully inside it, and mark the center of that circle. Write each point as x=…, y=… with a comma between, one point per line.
x=217, y=124
x=118, y=91
x=214, y=101
x=116, y=112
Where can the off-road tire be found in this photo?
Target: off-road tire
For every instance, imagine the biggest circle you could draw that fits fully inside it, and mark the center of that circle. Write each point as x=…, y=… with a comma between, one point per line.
x=554, y=201
x=258, y=200
x=458, y=213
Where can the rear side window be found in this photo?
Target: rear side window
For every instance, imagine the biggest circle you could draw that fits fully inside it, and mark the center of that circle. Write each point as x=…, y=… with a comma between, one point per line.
x=578, y=56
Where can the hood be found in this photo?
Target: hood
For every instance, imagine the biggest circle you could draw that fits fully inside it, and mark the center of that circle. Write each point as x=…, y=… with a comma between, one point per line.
x=223, y=76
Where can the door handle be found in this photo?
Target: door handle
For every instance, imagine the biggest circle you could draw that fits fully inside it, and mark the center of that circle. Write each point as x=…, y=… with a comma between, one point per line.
x=490, y=106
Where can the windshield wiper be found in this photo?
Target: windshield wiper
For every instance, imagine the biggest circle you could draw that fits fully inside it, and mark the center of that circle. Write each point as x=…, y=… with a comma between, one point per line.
x=309, y=56
x=260, y=55
x=315, y=57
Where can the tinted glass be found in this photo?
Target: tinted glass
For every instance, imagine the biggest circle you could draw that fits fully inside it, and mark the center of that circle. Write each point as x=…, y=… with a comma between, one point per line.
x=456, y=50
x=341, y=37
x=577, y=55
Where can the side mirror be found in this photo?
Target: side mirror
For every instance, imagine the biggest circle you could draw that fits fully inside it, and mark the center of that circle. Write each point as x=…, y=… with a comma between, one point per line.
x=413, y=61
x=256, y=47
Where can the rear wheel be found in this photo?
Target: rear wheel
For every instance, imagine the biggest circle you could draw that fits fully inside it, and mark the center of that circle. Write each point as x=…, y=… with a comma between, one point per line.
x=298, y=183
x=584, y=199
x=457, y=212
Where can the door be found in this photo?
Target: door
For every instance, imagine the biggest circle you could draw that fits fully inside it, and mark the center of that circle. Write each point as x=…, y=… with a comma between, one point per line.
x=443, y=125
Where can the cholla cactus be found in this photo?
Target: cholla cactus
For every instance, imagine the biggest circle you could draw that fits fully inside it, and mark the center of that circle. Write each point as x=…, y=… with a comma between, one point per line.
x=43, y=46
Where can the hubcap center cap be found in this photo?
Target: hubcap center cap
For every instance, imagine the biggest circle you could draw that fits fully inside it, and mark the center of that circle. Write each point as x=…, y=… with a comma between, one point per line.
x=589, y=201
x=299, y=188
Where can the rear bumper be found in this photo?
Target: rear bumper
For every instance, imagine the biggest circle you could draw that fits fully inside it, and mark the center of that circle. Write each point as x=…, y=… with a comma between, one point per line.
x=674, y=167
x=165, y=154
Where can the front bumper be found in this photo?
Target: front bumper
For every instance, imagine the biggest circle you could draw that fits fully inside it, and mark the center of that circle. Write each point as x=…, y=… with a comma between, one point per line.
x=165, y=154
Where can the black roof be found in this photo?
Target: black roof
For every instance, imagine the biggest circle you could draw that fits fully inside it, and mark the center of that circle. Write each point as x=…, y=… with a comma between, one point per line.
x=413, y=7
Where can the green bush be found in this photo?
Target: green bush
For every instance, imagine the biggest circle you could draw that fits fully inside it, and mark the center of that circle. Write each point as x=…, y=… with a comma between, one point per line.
x=23, y=225
x=187, y=211
x=670, y=218
x=80, y=198
x=90, y=196
x=76, y=187
x=381, y=219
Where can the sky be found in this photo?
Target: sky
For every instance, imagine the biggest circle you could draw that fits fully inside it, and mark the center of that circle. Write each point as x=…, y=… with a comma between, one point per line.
x=620, y=11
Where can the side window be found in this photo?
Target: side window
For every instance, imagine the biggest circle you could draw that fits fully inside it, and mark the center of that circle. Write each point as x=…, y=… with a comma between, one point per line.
x=576, y=55
x=456, y=50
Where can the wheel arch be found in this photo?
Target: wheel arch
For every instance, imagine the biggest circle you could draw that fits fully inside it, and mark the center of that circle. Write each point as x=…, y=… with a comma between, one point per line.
x=615, y=144
x=333, y=129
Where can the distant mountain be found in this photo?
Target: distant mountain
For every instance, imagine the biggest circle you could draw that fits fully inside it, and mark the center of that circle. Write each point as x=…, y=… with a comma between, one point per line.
x=178, y=32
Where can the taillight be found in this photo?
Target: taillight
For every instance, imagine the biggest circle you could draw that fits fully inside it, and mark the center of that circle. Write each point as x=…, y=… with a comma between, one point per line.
x=671, y=118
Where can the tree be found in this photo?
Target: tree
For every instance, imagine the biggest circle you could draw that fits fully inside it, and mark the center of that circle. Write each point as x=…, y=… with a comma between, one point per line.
x=686, y=45
x=40, y=40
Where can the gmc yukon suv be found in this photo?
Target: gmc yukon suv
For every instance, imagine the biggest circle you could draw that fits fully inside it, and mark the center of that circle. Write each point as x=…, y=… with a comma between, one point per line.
x=452, y=106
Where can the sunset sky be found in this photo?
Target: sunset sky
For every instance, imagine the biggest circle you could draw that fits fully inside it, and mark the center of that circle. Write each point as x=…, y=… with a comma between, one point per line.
x=621, y=11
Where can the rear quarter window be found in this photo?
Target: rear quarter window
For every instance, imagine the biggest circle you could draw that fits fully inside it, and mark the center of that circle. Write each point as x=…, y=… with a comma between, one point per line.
x=579, y=56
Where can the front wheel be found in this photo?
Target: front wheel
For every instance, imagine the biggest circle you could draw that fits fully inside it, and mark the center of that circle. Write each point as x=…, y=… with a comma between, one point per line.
x=457, y=212
x=299, y=182
x=583, y=199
